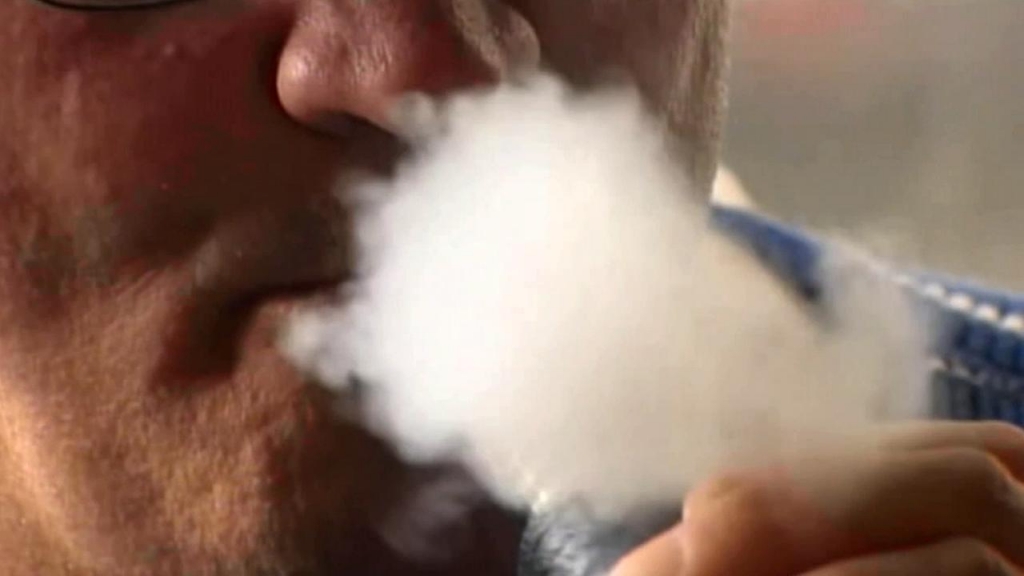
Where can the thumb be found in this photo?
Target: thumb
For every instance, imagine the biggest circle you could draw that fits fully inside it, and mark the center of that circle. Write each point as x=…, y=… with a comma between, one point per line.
x=662, y=556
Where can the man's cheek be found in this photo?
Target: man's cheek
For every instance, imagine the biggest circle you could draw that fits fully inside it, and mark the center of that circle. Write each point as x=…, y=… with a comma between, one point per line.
x=569, y=33
x=36, y=259
x=584, y=39
x=47, y=262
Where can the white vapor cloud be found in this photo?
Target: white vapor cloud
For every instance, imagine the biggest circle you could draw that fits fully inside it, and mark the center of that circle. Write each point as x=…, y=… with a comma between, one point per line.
x=541, y=296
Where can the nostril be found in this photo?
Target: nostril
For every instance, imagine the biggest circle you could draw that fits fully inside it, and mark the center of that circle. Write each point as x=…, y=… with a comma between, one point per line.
x=370, y=150
x=336, y=124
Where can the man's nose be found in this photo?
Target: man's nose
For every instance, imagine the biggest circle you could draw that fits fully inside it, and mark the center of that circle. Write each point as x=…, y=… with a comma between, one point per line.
x=353, y=59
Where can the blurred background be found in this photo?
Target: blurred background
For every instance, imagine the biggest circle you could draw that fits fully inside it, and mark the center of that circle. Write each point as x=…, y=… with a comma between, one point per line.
x=899, y=122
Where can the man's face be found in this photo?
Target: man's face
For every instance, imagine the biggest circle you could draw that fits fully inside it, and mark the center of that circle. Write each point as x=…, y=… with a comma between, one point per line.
x=167, y=181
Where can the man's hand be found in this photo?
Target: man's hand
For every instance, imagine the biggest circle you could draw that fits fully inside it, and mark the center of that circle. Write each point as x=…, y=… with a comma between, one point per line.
x=936, y=500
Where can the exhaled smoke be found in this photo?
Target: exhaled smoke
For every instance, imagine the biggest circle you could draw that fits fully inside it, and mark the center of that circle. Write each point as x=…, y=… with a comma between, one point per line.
x=542, y=297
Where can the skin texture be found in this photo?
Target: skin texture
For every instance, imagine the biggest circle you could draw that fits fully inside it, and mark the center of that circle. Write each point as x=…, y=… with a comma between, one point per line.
x=166, y=181
x=937, y=498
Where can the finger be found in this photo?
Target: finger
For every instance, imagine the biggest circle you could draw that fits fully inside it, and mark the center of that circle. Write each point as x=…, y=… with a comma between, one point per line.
x=910, y=498
x=659, y=557
x=790, y=522
x=1004, y=441
x=957, y=557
